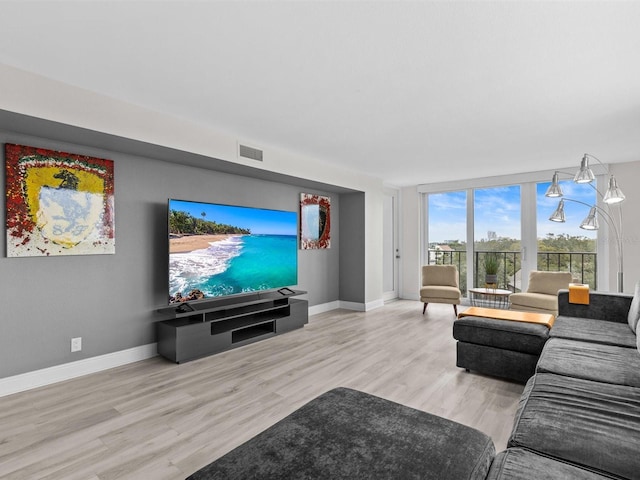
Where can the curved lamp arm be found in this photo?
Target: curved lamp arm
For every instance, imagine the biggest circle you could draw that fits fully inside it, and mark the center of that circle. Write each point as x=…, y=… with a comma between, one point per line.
x=558, y=216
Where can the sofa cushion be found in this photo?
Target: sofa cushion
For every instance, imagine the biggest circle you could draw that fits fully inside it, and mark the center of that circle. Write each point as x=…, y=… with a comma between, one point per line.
x=505, y=334
x=591, y=361
x=536, y=301
x=634, y=310
x=595, y=331
x=548, y=283
x=520, y=464
x=592, y=424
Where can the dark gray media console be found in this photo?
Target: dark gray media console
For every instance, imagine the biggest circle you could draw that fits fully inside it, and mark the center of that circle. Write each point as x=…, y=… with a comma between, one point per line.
x=212, y=326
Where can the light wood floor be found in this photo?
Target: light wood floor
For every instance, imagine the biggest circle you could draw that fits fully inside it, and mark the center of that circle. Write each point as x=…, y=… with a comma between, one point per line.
x=157, y=420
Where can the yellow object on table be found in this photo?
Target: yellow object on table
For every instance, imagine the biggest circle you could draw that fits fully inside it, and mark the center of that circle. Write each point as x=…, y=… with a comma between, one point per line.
x=545, y=319
x=579, y=293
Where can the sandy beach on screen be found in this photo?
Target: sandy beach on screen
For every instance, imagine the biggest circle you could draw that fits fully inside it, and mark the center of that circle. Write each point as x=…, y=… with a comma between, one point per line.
x=189, y=243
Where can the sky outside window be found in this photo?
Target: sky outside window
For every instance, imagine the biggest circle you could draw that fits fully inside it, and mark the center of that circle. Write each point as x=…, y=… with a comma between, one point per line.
x=497, y=213
x=447, y=217
x=498, y=210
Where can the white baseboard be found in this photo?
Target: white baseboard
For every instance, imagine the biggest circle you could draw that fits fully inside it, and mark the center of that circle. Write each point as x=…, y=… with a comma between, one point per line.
x=362, y=307
x=67, y=371
x=324, y=307
x=373, y=305
x=356, y=306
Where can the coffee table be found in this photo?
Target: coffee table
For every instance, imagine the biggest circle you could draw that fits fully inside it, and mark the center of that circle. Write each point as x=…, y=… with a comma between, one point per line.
x=489, y=297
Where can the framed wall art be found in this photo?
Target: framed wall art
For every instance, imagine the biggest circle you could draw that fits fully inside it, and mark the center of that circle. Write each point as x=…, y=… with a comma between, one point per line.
x=315, y=221
x=58, y=203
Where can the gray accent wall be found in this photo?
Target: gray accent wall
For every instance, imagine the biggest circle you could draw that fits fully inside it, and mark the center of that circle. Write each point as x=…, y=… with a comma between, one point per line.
x=352, y=248
x=111, y=300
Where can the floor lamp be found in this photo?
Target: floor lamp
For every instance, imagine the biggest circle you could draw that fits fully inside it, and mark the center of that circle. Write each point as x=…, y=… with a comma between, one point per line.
x=613, y=196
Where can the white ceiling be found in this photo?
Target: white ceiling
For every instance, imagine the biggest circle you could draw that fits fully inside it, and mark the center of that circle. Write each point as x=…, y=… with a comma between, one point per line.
x=412, y=92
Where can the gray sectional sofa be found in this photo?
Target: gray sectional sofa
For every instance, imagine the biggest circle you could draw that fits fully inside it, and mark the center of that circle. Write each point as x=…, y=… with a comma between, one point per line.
x=578, y=418
x=579, y=415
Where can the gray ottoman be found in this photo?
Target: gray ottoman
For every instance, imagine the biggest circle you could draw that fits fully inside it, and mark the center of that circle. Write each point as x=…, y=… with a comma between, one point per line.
x=500, y=348
x=346, y=434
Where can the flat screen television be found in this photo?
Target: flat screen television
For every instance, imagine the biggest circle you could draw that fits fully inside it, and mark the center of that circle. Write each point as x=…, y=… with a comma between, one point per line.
x=219, y=250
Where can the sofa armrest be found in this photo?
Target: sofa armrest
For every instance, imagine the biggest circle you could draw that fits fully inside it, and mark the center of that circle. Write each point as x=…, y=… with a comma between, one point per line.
x=612, y=307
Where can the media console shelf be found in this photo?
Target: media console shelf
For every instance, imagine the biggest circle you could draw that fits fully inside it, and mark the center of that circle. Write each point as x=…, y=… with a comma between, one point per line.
x=211, y=326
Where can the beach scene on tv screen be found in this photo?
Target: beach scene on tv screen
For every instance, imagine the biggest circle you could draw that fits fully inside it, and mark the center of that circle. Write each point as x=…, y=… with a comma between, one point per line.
x=217, y=250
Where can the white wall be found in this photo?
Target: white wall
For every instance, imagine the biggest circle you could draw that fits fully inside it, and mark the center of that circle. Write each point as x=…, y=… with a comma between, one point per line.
x=628, y=176
x=410, y=243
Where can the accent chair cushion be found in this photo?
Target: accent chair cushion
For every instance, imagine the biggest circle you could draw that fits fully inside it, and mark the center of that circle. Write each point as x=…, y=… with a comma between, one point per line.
x=436, y=292
x=548, y=283
x=442, y=275
x=634, y=311
x=534, y=302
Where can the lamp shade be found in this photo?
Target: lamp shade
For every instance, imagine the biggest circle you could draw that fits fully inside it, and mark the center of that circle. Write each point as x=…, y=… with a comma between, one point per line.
x=591, y=221
x=584, y=175
x=614, y=194
x=558, y=215
x=554, y=189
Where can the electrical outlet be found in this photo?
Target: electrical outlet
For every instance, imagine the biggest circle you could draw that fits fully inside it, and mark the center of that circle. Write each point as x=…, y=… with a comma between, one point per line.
x=76, y=344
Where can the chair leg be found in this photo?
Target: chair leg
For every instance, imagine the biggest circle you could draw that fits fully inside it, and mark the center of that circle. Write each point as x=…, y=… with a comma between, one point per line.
x=455, y=309
x=424, y=309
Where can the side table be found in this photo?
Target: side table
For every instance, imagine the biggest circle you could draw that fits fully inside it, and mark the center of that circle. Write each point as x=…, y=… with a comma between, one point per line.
x=489, y=297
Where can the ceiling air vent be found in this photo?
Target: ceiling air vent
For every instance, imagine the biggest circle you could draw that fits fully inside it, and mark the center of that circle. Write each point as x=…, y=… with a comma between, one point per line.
x=250, y=152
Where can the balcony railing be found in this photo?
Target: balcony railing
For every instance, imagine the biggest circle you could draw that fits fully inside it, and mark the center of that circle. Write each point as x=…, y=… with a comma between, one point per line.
x=583, y=266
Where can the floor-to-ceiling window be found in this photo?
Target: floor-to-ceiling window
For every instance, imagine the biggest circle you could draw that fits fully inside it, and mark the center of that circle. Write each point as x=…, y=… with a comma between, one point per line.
x=497, y=234
x=565, y=246
x=447, y=232
x=512, y=222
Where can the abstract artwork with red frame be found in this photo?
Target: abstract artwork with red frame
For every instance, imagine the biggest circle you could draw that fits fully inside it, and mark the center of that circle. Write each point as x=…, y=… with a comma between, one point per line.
x=315, y=221
x=58, y=203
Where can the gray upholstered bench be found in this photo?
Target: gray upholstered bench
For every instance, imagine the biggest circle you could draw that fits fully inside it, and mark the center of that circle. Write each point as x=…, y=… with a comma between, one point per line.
x=500, y=348
x=346, y=434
